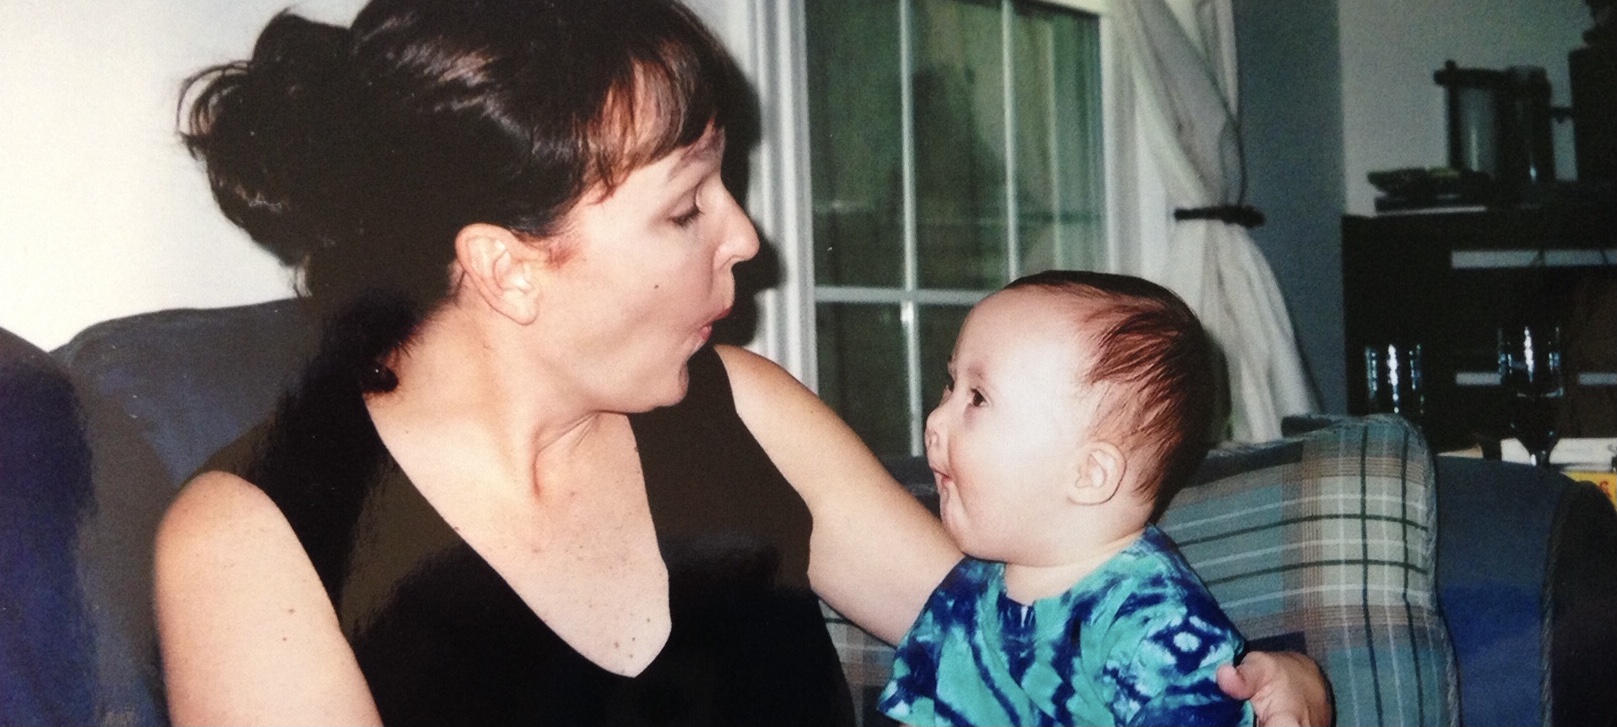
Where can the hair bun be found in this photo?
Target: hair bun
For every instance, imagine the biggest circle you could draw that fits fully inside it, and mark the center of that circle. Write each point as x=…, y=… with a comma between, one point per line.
x=276, y=136
x=301, y=46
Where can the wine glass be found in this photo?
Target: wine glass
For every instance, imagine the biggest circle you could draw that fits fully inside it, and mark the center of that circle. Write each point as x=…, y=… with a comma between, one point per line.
x=1393, y=381
x=1531, y=377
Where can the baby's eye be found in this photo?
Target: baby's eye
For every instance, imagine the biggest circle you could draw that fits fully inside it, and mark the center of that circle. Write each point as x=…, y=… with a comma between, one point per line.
x=977, y=398
x=948, y=383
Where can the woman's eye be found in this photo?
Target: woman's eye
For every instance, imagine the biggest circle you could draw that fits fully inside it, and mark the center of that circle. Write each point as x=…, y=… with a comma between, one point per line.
x=685, y=219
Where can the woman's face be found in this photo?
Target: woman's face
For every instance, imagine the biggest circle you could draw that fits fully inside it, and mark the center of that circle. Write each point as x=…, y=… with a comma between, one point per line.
x=645, y=272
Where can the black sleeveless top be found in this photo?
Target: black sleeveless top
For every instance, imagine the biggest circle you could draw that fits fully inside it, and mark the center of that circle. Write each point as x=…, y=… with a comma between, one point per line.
x=442, y=639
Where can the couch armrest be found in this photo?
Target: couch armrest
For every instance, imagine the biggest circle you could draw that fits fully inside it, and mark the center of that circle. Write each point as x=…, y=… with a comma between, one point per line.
x=1325, y=542
x=45, y=652
x=1583, y=609
x=1527, y=580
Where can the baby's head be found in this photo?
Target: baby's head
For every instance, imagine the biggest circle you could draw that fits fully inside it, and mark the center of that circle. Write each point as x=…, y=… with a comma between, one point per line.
x=1077, y=392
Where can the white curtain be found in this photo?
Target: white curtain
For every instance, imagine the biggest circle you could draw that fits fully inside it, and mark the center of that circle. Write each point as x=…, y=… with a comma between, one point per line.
x=1177, y=89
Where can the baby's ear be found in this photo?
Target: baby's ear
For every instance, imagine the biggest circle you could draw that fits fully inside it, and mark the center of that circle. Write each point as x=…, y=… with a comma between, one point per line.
x=1101, y=469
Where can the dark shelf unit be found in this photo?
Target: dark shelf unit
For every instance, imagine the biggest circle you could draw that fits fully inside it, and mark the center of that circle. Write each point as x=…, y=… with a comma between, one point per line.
x=1448, y=279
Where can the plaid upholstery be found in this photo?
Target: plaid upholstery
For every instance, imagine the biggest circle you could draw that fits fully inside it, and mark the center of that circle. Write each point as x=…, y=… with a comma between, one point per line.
x=1331, y=536
x=867, y=662
x=1324, y=543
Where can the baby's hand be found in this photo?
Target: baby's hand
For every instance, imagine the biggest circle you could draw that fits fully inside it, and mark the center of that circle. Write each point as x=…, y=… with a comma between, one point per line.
x=1285, y=689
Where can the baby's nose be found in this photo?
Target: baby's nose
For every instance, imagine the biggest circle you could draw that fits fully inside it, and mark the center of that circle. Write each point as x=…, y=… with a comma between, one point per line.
x=931, y=438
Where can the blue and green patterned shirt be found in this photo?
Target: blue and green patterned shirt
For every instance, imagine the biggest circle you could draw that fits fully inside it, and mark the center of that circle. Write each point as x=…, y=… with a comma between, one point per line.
x=1136, y=642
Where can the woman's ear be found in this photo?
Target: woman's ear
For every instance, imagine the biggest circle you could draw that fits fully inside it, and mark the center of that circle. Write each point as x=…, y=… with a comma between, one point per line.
x=498, y=266
x=1100, y=473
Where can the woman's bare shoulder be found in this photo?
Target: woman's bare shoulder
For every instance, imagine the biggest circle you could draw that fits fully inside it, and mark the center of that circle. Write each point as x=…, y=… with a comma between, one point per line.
x=213, y=500
x=800, y=433
x=748, y=370
x=222, y=519
x=247, y=632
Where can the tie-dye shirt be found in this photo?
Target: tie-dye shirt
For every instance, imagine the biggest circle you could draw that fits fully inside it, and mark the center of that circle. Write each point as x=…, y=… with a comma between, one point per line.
x=1136, y=642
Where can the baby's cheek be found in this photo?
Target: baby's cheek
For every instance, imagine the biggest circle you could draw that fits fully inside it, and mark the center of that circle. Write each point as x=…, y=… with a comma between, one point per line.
x=960, y=527
x=949, y=512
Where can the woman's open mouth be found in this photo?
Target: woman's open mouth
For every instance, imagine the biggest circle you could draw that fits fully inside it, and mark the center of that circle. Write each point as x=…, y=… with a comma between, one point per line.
x=706, y=332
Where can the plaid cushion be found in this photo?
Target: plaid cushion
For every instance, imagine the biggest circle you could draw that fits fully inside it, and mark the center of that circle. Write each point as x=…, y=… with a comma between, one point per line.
x=1328, y=541
x=1323, y=543
x=866, y=660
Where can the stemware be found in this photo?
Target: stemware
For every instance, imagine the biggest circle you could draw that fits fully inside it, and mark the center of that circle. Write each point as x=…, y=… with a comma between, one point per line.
x=1393, y=380
x=1533, y=385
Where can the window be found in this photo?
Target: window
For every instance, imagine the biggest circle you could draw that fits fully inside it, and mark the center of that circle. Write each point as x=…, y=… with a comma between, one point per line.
x=954, y=145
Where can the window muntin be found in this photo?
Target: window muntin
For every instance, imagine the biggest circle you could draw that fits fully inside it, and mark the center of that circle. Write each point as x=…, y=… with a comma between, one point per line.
x=954, y=145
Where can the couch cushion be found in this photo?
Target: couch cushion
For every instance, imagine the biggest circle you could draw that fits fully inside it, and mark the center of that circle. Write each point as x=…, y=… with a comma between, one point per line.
x=1492, y=549
x=1327, y=541
x=1528, y=584
x=160, y=392
x=44, y=486
x=190, y=381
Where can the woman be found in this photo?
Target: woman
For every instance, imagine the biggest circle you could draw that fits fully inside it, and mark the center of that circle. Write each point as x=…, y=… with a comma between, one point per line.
x=517, y=483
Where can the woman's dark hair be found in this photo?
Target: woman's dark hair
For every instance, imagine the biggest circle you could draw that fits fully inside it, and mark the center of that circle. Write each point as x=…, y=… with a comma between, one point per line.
x=358, y=154
x=1148, y=342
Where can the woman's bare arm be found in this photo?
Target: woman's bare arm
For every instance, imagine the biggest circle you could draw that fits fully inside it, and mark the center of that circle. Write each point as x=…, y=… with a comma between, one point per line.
x=876, y=553
x=248, y=635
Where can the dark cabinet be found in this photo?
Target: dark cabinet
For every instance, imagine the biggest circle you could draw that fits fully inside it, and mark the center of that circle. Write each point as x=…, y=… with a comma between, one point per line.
x=1448, y=280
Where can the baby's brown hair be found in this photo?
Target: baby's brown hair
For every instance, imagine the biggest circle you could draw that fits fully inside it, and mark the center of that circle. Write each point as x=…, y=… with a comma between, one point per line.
x=1155, y=363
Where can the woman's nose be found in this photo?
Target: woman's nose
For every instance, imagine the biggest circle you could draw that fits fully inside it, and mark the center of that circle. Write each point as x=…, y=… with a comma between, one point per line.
x=740, y=235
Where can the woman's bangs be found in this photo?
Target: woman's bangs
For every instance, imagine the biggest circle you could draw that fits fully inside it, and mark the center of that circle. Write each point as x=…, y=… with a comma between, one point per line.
x=664, y=103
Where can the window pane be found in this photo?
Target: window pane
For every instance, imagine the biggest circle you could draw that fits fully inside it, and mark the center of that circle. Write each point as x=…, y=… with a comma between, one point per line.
x=988, y=170
x=959, y=143
x=856, y=128
x=863, y=372
x=1055, y=57
x=939, y=326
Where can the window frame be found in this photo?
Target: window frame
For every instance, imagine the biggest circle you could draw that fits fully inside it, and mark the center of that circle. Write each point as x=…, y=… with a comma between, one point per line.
x=779, y=193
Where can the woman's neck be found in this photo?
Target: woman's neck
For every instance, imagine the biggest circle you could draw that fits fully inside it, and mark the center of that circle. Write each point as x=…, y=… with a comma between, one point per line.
x=476, y=387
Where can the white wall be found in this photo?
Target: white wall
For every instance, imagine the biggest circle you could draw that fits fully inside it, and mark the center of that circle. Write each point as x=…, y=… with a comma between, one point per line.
x=102, y=213
x=1393, y=113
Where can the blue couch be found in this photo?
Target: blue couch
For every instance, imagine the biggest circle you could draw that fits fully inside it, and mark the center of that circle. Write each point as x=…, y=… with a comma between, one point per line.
x=1525, y=574
x=1432, y=590
x=45, y=675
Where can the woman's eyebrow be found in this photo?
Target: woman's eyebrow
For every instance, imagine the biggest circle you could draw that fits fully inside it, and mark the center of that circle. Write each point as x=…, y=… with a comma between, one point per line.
x=706, y=149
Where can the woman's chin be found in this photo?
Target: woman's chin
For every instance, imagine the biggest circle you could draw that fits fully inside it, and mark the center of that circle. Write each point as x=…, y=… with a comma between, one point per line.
x=670, y=391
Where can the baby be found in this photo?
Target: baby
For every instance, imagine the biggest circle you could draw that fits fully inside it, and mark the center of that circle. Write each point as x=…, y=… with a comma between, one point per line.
x=1078, y=403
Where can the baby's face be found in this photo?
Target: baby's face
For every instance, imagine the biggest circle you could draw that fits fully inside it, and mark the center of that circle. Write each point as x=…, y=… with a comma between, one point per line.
x=1004, y=439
